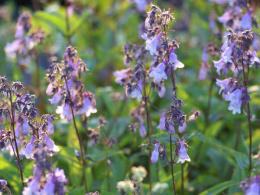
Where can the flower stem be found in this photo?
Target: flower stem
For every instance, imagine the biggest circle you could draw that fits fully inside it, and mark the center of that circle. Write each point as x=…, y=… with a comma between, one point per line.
x=149, y=135
x=15, y=142
x=67, y=23
x=77, y=132
x=248, y=117
x=173, y=181
x=182, y=178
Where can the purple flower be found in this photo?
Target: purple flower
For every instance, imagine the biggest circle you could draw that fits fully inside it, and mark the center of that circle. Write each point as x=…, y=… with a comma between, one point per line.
x=137, y=92
x=17, y=130
x=162, y=120
x=153, y=44
x=226, y=55
x=56, y=98
x=183, y=154
x=254, y=188
x=246, y=22
x=32, y=188
x=222, y=84
x=225, y=17
x=12, y=48
x=158, y=73
x=70, y=81
x=155, y=154
x=25, y=126
x=49, y=188
x=255, y=43
x=50, y=128
x=141, y=5
x=182, y=128
x=235, y=101
x=202, y=73
x=50, y=143
x=122, y=75
x=142, y=130
x=49, y=90
x=3, y=182
x=28, y=151
x=60, y=176
x=174, y=61
x=219, y=65
x=204, y=57
x=161, y=90
x=87, y=108
x=66, y=112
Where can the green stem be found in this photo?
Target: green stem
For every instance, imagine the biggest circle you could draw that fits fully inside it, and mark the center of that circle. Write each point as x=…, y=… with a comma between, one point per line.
x=77, y=132
x=149, y=135
x=173, y=181
x=16, y=146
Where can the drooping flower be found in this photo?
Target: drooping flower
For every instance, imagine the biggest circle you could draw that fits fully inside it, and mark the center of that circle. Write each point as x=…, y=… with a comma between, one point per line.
x=254, y=188
x=153, y=44
x=50, y=143
x=245, y=22
x=12, y=48
x=137, y=92
x=161, y=89
x=25, y=126
x=182, y=128
x=226, y=55
x=56, y=98
x=49, y=188
x=122, y=75
x=155, y=154
x=162, y=120
x=50, y=128
x=183, y=153
x=158, y=73
x=173, y=60
x=235, y=101
x=225, y=17
x=222, y=84
x=32, y=188
x=202, y=73
x=87, y=108
x=142, y=130
x=255, y=43
x=28, y=151
x=219, y=65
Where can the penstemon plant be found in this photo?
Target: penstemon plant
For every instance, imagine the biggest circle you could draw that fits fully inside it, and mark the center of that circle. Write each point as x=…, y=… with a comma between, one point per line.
x=26, y=136
x=68, y=88
x=164, y=65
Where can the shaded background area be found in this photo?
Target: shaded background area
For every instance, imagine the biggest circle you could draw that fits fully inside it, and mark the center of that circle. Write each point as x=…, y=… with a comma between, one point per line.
x=100, y=29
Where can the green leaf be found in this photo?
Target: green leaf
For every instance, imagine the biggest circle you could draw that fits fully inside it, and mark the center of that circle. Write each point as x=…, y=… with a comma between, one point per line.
x=79, y=23
x=219, y=188
x=54, y=20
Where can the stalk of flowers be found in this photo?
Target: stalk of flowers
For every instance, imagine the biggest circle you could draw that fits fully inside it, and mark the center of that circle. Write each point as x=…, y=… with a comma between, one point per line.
x=45, y=179
x=238, y=57
x=68, y=89
x=24, y=47
x=166, y=65
x=135, y=79
x=25, y=133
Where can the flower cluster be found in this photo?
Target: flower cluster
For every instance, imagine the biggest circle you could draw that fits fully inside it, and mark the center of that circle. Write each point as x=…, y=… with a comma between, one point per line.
x=67, y=87
x=45, y=180
x=22, y=113
x=28, y=137
x=25, y=40
x=171, y=120
x=239, y=58
x=238, y=20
